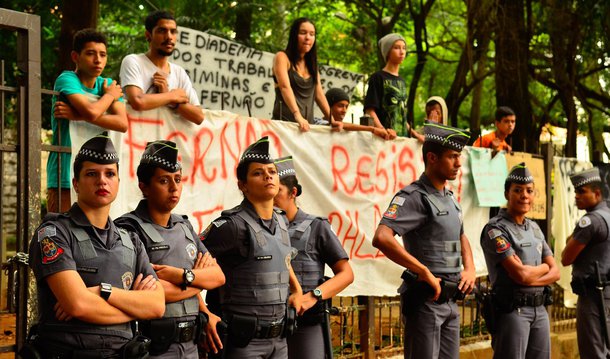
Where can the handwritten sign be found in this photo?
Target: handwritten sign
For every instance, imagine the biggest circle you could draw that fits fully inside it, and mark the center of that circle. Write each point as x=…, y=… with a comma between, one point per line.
x=488, y=175
x=230, y=76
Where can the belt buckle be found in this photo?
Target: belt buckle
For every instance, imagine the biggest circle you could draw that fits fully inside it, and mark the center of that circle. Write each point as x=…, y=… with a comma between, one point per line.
x=275, y=329
x=186, y=331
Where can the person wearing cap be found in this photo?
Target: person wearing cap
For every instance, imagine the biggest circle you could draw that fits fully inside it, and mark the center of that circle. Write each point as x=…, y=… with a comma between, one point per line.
x=436, y=251
x=338, y=100
x=318, y=246
x=297, y=79
x=386, y=97
x=180, y=259
x=436, y=111
x=93, y=278
x=520, y=265
x=588, y=244
x=252, y=246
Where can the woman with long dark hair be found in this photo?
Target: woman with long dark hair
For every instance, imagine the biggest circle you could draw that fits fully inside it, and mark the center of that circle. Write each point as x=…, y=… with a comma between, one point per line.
x=297, y=80
x=317, y=247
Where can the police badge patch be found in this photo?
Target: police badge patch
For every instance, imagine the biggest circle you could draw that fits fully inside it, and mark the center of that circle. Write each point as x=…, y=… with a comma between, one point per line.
x=191, y=250
x=47, y=231
x=50, y=251
x=127, y=279
x=584, y=222
x=391, y=212
x=502, y=245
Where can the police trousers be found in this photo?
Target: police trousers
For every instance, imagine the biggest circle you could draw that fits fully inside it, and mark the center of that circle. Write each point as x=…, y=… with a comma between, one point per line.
x=522, y=333
x=306, y=343
x=273, y=348
x=588, y=328
x=432, y=331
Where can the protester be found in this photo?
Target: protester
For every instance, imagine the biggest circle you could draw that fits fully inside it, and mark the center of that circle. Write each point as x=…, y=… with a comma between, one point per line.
x=386, y=97
x=92, y=278
x=318, y=246
x=588, y=251
x=83, y=96
x=252, y=246
x=151, y=81
x=338, y=100
x=297, y=80
x=520, y=265
x=436, y=111
x=179, y=258
x=505, y=125
x=428, y=218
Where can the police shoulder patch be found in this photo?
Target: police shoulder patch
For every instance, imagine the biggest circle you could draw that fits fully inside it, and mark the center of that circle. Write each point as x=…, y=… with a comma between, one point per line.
x=392, y=211
x=50, y=250
x=219, y=222
x=502, y=245
x=584, y=222
x=493, y=233
x=47, y=231
x=398, y=200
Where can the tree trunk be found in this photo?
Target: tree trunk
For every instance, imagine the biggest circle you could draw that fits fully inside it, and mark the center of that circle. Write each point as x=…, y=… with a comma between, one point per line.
x=512, y=72
x=243, y=23
x=76, y=15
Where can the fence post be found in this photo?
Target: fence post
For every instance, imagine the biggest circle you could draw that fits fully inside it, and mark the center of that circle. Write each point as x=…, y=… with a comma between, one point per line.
x=366, y=326
x=547, y=153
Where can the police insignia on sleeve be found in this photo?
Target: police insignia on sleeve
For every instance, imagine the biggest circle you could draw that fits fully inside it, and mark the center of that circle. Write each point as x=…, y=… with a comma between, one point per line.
x=398, y=200
x=584, y=222
x=47, y=231
x=205, y=232
x=50, y=251
x=502, y=245
x=391, y=212
x=127, y=279
x=191, y=250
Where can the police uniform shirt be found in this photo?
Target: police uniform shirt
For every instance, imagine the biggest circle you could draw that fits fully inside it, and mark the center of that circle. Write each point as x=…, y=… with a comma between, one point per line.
x=176, y=254
x=227, y=238
x=498, y=244
x=591, y=230
x=323, y=245
x=52, y=251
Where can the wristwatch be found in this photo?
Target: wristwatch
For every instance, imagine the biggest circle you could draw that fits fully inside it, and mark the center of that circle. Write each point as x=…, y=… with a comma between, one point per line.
x=188, y=278
x=105, y=290
x=317, y=293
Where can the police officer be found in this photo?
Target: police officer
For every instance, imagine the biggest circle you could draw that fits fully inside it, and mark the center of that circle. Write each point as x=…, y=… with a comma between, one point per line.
x=252, y=247
x=93, y=279
x=589, y=243
x=429, y=219
x=318, y=245
x=520, y=264
x=180, y=259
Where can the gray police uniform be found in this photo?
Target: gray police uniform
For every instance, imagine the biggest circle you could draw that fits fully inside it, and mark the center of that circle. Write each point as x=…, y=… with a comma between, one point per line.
x=592, y=230
x=523, y=328
x=317, y=246
x=430, y=224
x=176, y=245
x=68, y=241
x=254, y=255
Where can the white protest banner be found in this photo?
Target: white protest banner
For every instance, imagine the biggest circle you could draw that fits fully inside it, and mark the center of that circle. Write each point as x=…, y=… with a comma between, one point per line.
x=230, y=76
x=488, y=175
x=349, y=177
x=565, y=217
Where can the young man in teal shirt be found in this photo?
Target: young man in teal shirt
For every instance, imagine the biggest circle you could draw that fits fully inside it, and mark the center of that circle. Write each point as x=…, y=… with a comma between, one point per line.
x=83, y=96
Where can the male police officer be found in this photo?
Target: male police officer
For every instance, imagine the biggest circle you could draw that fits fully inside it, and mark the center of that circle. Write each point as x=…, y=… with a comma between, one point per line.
x=181, y=261
x=252, y=246
x=590, y=243
x=429, y=219
x=520, y=264
x=93, y=279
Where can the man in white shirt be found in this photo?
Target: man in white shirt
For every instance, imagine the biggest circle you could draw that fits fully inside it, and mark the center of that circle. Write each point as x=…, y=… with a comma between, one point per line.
x=151, y=81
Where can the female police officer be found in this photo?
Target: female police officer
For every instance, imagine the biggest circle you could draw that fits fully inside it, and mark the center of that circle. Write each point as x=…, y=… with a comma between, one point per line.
x=318, y=245
x=252, y=247
x=179, y=258
x=520, y=264
x=93, y=279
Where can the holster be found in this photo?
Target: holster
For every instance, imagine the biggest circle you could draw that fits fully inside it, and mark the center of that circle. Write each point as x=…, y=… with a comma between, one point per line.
x=136, y=348
x=290, y=322
x=242, y=329
x=449, y=291
x=161, y=333
x=489, y=311
x=416, y=294
x=29, y=350
x=548, y=295
x=202, y=322
x=314, y=315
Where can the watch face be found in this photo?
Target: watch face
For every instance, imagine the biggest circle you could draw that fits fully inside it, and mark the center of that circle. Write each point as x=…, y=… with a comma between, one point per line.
x=317, y=293
x=190, y=276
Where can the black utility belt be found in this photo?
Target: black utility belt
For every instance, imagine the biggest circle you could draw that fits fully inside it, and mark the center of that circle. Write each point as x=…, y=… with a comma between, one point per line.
x=181, y=331
x=268, y=330
x=581, y=286
x=529, y=299
x=259, y=329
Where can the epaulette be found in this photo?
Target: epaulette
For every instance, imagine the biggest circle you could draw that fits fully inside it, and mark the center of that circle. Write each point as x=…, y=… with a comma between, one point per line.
x=53, y=216
x=232, y=211
x=413, y=187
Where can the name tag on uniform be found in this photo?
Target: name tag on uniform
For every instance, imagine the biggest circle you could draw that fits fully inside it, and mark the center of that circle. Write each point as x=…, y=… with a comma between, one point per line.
x=264, y=258
x=86, y=269
x=443, y=213
x=163, y=247
x=526, y=244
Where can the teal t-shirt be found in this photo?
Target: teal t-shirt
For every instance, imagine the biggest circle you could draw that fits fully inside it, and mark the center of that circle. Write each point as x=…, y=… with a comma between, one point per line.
x=66, y=84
